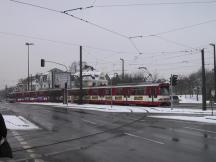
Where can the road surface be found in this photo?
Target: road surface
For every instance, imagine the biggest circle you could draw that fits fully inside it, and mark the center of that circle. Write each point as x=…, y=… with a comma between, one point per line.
x=92, y=136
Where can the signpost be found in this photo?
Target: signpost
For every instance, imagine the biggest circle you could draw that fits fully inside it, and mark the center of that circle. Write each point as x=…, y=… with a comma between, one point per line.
x=212, y=99
x=173, y=82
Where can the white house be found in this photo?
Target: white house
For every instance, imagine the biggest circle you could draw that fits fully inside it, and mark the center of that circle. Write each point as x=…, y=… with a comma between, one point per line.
x=93, y=78
x=57, y=78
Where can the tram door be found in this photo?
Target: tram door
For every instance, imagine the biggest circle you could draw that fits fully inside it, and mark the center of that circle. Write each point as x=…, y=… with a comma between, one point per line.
x=152, y=91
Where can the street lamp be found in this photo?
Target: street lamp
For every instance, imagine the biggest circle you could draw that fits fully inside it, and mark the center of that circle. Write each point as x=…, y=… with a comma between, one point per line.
x=214, y=68
x=115, y=74
x=28, y=44
x=122, y=67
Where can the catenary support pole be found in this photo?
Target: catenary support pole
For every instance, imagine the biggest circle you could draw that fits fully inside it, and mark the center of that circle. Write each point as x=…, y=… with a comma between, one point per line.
x=214, y=72
x=28, y=69
x=81, y=86
x=171, y=90
x=203, y=82
x=214, y=69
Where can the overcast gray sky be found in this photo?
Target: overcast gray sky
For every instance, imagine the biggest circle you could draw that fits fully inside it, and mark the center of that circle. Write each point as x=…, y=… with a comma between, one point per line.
x=163, y=55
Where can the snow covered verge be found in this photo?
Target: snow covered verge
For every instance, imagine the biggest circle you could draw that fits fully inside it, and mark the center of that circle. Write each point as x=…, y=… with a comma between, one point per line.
x=190, y=99
x=18, y=123
x=203, y=119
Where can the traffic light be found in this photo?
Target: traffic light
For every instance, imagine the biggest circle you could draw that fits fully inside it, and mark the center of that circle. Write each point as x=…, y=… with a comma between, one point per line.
x=173, y=80
x=42, y=62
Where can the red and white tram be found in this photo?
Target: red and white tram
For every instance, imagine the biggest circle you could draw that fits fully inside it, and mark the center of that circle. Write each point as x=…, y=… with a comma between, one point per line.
x=155, y=94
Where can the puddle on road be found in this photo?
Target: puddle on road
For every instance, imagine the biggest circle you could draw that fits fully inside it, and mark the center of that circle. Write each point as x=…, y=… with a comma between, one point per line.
x=175, y=139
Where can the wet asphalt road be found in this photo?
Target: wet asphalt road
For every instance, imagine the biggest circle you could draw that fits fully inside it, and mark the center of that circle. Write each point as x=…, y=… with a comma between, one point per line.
x=92, y=136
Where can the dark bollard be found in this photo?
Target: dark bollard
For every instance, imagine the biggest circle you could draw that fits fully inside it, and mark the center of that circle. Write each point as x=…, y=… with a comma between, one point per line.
x=5, y=149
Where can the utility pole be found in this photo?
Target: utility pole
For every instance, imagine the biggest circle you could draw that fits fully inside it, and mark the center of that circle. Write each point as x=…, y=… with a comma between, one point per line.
x=214, y=69
x=6, y=92
x=31, y=82
x=28, y=67
x=122, y=67
x=203, y=82
x=81, y=79
x=171, y=90
x=111, y=92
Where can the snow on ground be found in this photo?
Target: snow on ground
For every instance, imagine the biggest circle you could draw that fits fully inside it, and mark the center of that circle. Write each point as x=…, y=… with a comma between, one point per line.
x=190, y=99
x=204, y=119
x=18, y=123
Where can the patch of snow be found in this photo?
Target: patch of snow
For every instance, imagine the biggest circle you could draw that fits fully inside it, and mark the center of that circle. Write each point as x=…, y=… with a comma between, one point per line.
x=190, y=99
x=204, y=119
x=211, y=117
x=18, y=123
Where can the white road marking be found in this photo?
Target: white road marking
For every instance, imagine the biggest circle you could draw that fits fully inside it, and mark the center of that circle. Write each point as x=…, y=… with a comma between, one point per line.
x=190, y=133
x=19, y=138
x=147, y=139
x=87, y=121
x=26, y=146
x=15, y=133
x=30, y=150
x=28, y=159
x=35, y=155
x=23, y=143
x=142, y=120
x=39, y=160
x=165, y=137
x=201, y=130
x=133, y=118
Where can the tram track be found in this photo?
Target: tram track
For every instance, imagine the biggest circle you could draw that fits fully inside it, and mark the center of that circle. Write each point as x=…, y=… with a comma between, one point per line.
x=109, y=130
x=105, y=128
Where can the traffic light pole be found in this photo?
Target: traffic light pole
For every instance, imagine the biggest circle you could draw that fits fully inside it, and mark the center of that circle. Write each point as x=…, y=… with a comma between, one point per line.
x=43, y=63
x=65, y=93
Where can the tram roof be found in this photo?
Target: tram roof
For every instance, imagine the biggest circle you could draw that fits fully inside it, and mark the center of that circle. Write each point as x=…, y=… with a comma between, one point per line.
x=103, y=87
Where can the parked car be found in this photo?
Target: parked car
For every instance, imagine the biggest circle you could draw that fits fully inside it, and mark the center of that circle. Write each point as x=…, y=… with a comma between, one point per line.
x=175, y=99
x=11, y=100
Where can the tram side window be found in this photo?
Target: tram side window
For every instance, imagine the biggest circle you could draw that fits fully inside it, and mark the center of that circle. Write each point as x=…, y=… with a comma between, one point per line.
x=85, y=92
x=101, y=92
x=126, y=92
x=148, y=92
x=138, y=91
x=108, y=92
x=118, y=91
x=95, y=92
x=164, y=90
x=74, y=92
x=155, y=92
